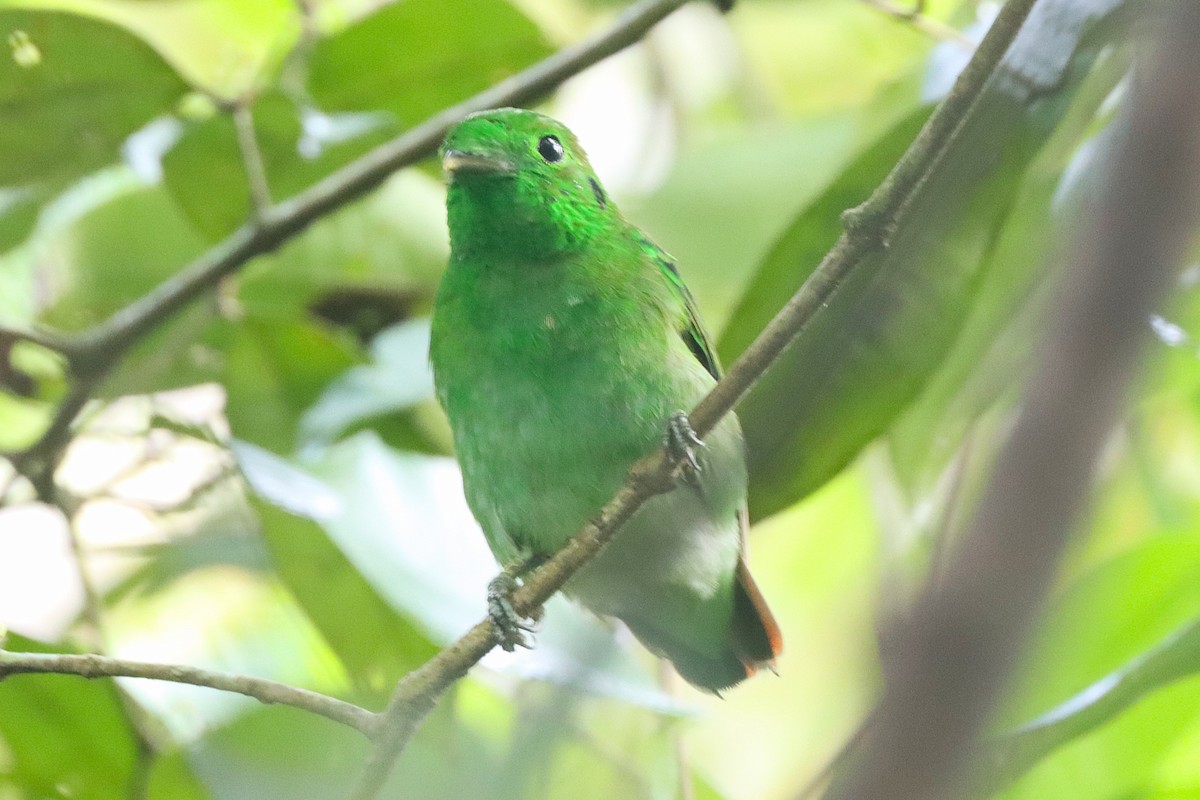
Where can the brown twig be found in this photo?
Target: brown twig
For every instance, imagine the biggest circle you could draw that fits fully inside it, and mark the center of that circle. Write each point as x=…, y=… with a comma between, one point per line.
x=261, y=689
x=867, y=229
x=950, y=661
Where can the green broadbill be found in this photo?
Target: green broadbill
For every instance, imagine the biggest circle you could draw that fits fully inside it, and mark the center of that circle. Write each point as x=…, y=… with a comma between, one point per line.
x=564, y=346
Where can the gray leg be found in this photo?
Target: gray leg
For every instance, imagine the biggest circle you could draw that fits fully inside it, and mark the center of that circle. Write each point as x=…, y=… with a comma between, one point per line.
x=680, y=442
x=510, y=626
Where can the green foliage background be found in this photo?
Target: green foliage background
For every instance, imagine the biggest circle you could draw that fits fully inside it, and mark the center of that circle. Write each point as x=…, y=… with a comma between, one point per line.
x=299, y=516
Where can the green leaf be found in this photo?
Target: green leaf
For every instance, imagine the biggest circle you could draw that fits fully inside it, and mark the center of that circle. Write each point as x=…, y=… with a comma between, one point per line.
x=283, y=754
x=411, y=60
x=997, y=338
x=1111, y=618
x=72, y=90
x=119, y=251
x=398, y=378
x=66, y=736
x=68, y=110
x=206, y=171
x=226, y=47
x=275, y=370
x=376, y=645
x=171, y=778
x=875, y=346
x=1175, y=657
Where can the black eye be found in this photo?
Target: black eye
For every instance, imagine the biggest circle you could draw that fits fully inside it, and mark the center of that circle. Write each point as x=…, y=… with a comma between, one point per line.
x=550, y=149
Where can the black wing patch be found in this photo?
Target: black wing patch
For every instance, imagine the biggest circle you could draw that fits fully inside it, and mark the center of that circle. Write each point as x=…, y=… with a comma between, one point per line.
x=692, y=331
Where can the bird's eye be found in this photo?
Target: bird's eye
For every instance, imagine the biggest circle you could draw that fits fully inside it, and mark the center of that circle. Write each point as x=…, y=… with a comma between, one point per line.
x=550, y=149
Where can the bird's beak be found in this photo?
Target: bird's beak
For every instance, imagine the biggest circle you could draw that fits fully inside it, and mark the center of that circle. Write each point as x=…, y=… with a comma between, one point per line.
x=455, y=161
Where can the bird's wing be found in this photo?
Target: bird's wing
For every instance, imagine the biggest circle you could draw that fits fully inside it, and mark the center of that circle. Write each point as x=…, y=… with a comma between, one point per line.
x=692, y=330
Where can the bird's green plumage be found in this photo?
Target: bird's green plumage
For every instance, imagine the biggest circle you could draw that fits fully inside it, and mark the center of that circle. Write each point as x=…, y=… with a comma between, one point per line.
x=563, y=340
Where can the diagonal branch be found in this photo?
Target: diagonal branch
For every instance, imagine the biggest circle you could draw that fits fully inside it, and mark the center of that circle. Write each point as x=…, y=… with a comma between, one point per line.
x=261, y=689
x=93, y=353
x=867, y=229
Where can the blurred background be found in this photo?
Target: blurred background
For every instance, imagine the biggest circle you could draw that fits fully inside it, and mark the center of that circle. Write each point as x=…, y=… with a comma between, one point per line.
x=264, y=485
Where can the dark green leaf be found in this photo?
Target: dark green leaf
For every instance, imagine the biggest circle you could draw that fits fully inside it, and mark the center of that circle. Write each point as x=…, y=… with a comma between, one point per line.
x=865, y=357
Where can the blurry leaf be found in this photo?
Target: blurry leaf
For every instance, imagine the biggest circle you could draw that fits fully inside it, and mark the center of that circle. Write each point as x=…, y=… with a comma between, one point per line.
x=21, y=421
x=224, y=46
x=1109, y=617
x=404, y=524
x=171, y=778
x=67, y=736
x=278, y=753
x=392, y=243
x=68, y=112
x=376, y=645
x=409, y=59
x=397, y=378
x=118, y=252
x=217, y=543
x=723, y=207
x=18, y=214
x=874, y=347
x=273, y=372
x=811, y=234
x=283, y=754
x=206, y=173
x=271, y=369
x=1175, y=657
x=997, y=337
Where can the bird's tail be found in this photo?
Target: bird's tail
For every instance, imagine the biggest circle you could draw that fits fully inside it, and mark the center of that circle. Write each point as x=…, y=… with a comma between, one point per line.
x=753, y=640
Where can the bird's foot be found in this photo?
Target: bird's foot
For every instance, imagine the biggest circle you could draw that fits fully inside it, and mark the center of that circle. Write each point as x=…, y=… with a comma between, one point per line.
x=510, y=626
x=680, y=442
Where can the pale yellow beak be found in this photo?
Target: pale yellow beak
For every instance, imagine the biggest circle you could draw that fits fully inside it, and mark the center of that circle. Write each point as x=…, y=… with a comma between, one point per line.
x=454, y=161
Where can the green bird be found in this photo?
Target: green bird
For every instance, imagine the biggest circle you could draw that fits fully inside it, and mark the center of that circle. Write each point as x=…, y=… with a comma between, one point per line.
x=564, y=347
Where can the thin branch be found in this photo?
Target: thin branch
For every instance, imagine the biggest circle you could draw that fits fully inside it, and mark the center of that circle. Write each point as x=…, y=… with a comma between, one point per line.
x=916, y=18
x=867, y=229
x=39, y=336
x=93, y=353
x=252, y=158
x=950, y=661
x=261, y=689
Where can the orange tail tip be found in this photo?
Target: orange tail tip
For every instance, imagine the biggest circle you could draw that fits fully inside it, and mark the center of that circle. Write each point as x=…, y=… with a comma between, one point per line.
x=754, y=634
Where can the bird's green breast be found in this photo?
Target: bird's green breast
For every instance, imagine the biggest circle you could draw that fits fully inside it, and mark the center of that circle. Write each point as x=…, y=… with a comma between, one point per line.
x=556, y=377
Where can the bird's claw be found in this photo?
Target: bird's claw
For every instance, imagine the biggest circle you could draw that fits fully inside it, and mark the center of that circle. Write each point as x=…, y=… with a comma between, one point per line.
x=510, y=626
x=680, y=442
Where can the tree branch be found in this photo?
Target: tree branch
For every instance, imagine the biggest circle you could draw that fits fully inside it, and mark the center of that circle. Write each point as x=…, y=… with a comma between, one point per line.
x=93, y=353
x=261, y=689
x=951, y=658
x=916, y=18
x=39, y=336
x=867, y=229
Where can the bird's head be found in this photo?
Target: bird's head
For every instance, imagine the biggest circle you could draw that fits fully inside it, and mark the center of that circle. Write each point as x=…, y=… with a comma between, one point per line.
x=520, y=184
